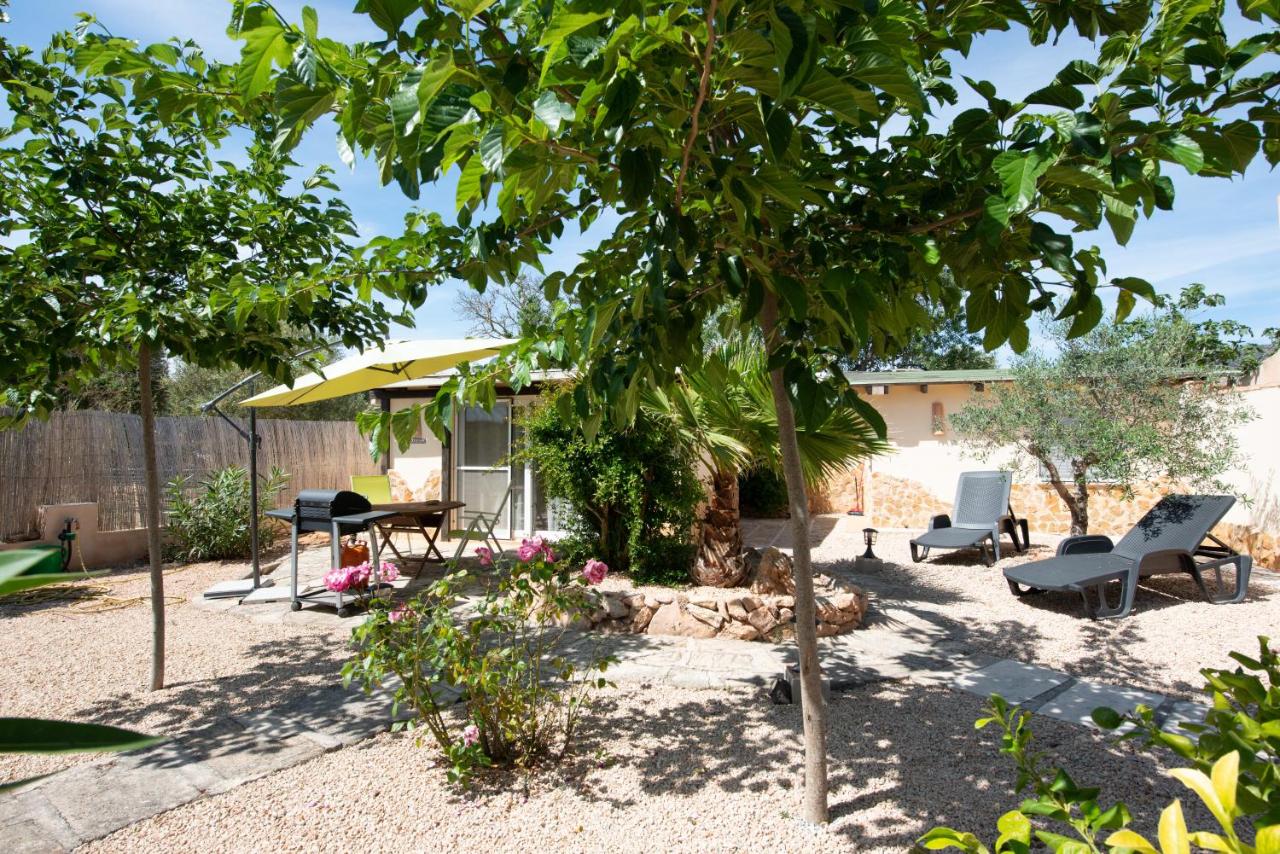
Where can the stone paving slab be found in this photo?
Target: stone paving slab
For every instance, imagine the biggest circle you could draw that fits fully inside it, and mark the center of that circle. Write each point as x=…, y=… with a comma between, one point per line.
x=1015, y=681
x=1177, y=712
x=1076, y=704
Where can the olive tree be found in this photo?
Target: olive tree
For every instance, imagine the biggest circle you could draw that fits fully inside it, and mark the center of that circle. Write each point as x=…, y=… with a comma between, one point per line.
x=1126, y=404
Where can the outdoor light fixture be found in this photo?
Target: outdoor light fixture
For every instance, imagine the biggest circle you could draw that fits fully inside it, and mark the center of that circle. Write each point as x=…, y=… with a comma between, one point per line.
x=869, y=537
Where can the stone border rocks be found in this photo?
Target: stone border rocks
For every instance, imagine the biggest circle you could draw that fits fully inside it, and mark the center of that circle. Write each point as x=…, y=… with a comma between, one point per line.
x=738, y=615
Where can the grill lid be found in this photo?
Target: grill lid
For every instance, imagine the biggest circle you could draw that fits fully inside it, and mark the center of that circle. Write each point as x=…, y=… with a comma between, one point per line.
x=327, y=503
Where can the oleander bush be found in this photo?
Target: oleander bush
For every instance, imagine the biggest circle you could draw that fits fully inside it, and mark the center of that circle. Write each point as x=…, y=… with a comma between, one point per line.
x=209, y=519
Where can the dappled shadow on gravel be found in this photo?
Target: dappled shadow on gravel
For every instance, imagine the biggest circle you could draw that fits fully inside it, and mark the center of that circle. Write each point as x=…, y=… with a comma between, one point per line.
x=902, y=759
x=277, y=673
x=1171, y=634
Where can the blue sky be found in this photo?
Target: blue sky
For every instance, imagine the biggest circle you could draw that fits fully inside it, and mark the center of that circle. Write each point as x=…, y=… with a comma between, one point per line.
x=1225, y=234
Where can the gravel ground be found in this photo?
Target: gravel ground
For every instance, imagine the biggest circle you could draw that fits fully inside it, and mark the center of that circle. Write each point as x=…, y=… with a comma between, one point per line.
x=64, y=661
x=660, y=769
x=1164, y=642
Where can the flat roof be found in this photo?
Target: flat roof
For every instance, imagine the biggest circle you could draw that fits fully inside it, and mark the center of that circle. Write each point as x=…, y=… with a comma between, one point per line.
x=914, y=377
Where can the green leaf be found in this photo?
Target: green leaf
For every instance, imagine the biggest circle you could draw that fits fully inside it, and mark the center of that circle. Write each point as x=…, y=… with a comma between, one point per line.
x=1019, y=171
x=388, y=14
x=1086, y=318
x=468, y=9
x=889, y=74
x=638, y=176
x=839, y=96
x=551, y=111
x=793, y=48
x=37, y=735
x=1183, y=150
x=435, y=76
x=1102, y=716
x=1057, y=95
x=469, y=182
x=493, y=151
x=264, y=45
x=1121, y=218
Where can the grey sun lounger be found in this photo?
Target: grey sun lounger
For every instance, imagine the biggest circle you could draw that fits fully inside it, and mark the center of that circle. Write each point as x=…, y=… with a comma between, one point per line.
x=980, y=514
x=1166, y=540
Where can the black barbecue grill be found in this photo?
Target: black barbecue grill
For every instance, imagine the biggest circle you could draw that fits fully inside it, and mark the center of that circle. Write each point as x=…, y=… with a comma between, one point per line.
x=339, y=512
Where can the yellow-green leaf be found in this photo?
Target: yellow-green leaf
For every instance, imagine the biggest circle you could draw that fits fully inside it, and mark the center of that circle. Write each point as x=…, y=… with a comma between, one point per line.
x=1173, y=830
x=1225, y=774
x=1197, y=782
x=1129, y=839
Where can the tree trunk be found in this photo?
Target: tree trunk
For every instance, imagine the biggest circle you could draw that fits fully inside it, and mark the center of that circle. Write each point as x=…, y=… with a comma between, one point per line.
x=813, y=709
x=154, y=545
x=1078, y=501
x=719, y=562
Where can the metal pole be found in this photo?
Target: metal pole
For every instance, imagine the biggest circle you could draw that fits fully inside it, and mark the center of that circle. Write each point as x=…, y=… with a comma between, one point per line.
x=254, y=441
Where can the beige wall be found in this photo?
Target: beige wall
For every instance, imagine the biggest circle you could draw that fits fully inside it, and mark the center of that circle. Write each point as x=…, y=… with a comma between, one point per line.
x=415, y=472
x=918, y=479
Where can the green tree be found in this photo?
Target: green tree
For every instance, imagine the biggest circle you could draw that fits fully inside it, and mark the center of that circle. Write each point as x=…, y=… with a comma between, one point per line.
x=1125, y=404
x=633, y=490
x=123, y=239
x=116, y=390
x=946, y=344
x=504, y=311
x=784, y=155
x=724, y=415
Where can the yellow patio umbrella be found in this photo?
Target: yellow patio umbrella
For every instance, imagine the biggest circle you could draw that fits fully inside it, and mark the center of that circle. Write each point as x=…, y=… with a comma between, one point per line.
x=395, y=362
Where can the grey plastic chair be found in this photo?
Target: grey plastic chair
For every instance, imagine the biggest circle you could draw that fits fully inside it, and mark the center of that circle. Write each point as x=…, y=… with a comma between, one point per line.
x=1168, y=539
x=481, y=527
x=980, y=514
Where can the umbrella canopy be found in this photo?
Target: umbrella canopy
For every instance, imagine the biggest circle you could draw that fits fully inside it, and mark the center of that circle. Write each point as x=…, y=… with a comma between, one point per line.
x=395, y=362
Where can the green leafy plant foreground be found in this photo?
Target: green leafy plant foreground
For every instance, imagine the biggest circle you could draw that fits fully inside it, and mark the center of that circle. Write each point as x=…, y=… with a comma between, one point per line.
x=523, y=695
x=38, y=735
x=1235, y=773
x=209, y=520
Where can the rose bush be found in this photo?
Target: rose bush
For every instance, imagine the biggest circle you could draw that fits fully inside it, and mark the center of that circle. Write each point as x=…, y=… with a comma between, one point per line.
x=501, y=654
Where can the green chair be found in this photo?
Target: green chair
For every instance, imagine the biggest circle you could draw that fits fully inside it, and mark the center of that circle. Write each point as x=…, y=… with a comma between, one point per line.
x=375, y=487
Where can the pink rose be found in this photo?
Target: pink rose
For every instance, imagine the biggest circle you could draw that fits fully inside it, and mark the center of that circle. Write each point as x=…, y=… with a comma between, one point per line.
x=595, y=571
x=390, y=572
x=470, y=734
x=486, y=556
x=530, y=548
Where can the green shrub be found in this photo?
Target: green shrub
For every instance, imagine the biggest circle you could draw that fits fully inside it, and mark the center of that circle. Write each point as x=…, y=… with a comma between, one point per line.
x=633, y=493
x=523, y=696
x=762, y=494
x=209, y=519
x=1235, y=756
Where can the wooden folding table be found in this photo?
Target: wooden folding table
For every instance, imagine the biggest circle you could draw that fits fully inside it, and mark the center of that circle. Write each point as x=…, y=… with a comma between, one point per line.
x=417, y=517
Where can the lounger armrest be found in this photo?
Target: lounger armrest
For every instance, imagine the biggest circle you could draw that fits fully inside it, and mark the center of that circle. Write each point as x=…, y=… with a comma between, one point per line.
x=942, y=520
x=1085, y=544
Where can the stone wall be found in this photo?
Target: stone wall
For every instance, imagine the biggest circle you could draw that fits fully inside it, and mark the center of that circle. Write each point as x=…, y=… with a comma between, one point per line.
x=402, y=490
x=898, y=502
x=842, y=493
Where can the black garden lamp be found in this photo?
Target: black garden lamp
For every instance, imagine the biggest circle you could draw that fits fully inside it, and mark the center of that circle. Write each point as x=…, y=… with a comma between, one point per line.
x=869, y=537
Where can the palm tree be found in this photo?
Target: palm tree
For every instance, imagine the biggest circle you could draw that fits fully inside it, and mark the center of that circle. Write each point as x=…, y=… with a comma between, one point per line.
x=724, y=414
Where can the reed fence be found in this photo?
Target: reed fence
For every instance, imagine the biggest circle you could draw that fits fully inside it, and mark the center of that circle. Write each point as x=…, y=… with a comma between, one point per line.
x=97, y=456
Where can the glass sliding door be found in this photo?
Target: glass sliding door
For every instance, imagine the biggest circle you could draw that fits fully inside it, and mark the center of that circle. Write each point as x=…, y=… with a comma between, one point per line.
x=484, y=466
